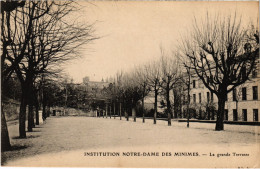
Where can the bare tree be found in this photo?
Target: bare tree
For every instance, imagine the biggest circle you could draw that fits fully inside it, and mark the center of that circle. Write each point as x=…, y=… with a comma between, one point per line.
x=20, y=24
x=109, y=95
x=119, y=90
x=154, y=82
x=186, y=84
x=142, y=81
x=6, y=8
x=171, y=75
x=221, y=56
x=125, y=96
x=41, y=36
x=132, y=93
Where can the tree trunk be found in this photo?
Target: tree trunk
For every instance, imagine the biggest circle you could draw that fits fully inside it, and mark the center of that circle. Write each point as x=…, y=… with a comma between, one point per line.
x=5, y=141
x=37, y=113
x=33, y=116
x=143, y=108
x=220, y=113
x=22, y=115
x=200, y=113
x=127, y=115
x=48, y=111
x=188, y=116
x=169, y=116
x=125, y=110
x=176, y=104
x=106, y=110
x=120, y=110
x=236, y=107
x=208, y=113
x=114, y=110
x=188, y=106
x=110, y=111
x=134, y=113
x=44, y=113
x=155, y=106
x=168, y=105
x=30, y=116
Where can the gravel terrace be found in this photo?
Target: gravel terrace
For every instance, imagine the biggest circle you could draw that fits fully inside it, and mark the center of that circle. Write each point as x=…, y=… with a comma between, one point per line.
x=62, y=142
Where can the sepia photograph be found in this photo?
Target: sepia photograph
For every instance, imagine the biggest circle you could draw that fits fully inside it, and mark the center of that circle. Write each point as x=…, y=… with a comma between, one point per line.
x=130, y=84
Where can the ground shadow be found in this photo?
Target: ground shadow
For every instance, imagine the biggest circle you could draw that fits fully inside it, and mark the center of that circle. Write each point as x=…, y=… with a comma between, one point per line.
x=34, y=131
x=17, y=137
x=37, y=127
x=16, y=147
x=5, y=156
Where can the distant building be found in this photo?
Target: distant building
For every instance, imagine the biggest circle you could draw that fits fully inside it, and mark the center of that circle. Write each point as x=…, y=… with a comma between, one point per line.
x=85, y=80
x=82, y=95
x=93, y=85
x=149, y=102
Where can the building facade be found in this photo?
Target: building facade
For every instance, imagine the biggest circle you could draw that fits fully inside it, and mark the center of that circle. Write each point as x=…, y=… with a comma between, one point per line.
x=242, y=104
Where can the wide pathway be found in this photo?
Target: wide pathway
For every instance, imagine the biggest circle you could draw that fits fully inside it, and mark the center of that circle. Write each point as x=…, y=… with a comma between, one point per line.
x=105, y=142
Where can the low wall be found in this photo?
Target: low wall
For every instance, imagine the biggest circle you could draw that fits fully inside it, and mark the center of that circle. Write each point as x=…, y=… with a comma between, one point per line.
x=11, y=109
x=253, y=123
x=61, y=111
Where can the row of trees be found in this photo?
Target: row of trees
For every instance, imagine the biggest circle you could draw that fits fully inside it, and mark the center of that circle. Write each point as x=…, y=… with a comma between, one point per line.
x=218, y=50
x=155, y=78
x=37, y=37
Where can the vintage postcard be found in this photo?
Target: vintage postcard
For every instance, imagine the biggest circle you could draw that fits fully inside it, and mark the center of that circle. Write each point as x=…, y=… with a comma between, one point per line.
x=130, y=84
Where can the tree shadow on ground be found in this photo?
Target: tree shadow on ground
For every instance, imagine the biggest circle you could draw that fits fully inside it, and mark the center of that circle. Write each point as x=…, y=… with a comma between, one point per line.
x=5, y=155
x=34, y=131
x=38, y=127
x=17, y=137
x=20, y=147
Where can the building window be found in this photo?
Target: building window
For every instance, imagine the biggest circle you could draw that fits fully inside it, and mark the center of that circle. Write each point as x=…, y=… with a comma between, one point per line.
x=208, y=97
x=194, y=98
x=244, y=93
x=234, y=94
x=194, y=83
x=226, y=114
x=200, y=97
x=243, y=71
x=255, y=93
x=255, y=114
x=234, y=114
x=244, y=114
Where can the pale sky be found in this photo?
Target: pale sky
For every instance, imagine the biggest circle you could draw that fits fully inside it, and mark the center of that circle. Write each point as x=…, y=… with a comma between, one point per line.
x=133, y=31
